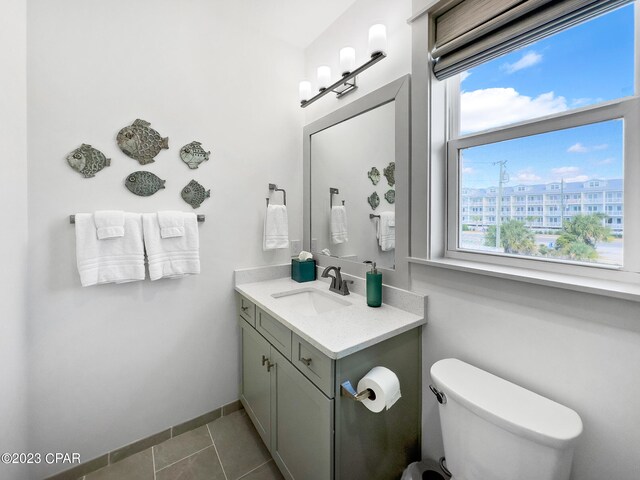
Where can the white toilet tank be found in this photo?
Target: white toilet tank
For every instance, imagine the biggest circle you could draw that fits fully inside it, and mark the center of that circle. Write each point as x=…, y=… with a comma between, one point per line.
x=495, y=430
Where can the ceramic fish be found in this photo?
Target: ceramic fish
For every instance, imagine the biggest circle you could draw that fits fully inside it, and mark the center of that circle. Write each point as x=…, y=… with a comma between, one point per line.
x=143, y=183
x=194, y=194
x=193, y=154
x=390, y=173
x=87, y=160
x=374, y=200
x=374, y=175
x=141, y=142
x=390, y=196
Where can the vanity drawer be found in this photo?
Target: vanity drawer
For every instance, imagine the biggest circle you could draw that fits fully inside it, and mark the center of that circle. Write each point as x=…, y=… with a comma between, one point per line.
x=314, y=364
x=247, y=309
x=277, y=334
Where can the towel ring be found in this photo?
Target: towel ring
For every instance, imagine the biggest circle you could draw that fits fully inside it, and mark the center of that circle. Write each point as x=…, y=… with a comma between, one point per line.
x=332, y=192
x=274, y=187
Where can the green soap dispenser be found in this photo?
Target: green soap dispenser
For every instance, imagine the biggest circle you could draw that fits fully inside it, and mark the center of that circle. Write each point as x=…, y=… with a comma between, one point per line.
x=374, y=287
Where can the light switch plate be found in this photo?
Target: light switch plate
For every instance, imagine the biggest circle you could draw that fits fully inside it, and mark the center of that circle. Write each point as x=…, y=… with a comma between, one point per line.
x=295, y=246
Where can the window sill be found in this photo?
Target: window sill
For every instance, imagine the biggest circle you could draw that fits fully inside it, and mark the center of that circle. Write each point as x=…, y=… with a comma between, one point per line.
x=609, y=288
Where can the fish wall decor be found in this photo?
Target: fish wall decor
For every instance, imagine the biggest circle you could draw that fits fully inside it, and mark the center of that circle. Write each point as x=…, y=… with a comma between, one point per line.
x=141, y=142
x=87, y=160
x=143, y=183
x=193, y=154
x=194, y=194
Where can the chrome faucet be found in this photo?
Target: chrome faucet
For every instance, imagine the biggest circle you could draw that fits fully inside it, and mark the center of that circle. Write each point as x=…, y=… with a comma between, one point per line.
x=338, y=285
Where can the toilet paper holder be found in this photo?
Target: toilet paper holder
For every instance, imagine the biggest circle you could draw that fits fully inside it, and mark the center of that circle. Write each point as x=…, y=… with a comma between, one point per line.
x=347, y=390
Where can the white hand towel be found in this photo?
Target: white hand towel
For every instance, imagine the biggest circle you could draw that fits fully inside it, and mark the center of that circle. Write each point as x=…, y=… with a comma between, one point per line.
x=173, y=257
x=109, y=223
x=276, y=228
x=116, y=260
x=171, y=224
x=386, y=231
x=339, y=232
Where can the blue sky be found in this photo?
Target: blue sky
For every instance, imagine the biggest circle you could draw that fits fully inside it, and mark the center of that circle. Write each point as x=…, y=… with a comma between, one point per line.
x=587, y=64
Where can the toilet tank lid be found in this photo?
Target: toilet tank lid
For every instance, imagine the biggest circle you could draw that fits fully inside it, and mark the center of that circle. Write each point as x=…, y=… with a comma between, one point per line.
x=506, y=404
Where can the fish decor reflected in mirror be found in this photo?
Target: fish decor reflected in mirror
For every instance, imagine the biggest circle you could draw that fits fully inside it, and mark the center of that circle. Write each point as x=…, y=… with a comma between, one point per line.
x=193, y=154
x=374, y=200
x=87, y=160
x=194, y=194
x=390, y=173
x=374, y=175
x=143, y=183
x=141, y=142
x=390, y=196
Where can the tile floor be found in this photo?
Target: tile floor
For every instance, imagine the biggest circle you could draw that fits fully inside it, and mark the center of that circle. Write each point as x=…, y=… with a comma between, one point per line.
x=228, y=448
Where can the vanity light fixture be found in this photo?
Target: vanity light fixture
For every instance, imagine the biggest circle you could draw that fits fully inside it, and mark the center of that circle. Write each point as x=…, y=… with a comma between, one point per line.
x=346, y=84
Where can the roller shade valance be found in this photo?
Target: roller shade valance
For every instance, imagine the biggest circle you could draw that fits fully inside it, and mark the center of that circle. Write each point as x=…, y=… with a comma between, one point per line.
x=474, y=31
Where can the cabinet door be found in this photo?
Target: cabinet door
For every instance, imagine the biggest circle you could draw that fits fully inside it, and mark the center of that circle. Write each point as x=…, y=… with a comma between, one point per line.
x=256, y=381
x=302, y=424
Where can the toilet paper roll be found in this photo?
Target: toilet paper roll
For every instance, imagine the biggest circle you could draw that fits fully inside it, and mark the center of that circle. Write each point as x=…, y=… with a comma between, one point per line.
x=386, y=386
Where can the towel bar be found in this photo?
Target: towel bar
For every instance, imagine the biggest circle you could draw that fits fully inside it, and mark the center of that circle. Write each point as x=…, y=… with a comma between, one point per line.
x=72, y=218
x=372, y=216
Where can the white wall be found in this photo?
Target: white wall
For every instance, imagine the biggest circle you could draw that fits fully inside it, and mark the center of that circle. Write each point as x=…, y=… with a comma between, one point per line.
x=352, y=29
x=112, y=364
x=13, y=241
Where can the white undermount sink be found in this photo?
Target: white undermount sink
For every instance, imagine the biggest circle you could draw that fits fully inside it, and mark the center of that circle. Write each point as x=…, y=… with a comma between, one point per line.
x=310, y=301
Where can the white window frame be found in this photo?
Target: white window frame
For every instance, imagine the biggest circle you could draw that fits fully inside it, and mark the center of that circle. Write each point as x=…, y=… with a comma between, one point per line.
x=627, y=109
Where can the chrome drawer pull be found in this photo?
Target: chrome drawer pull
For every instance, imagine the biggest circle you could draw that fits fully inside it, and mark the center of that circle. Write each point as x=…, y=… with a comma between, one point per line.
x=264, y=360
x=306, y=361
x=244, y=309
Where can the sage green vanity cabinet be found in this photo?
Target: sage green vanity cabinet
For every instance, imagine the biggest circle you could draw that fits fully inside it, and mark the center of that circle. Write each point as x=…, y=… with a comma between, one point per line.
x=302, y=433
x=256, y=380
x=291, y=392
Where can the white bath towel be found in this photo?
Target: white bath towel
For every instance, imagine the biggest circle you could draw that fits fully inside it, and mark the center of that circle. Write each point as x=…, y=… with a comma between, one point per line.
x=386, y=232
x=173, y=257
x=109, y=223
x=276, y=228
x=171, y=224
x=112, y=260
x=339, y=233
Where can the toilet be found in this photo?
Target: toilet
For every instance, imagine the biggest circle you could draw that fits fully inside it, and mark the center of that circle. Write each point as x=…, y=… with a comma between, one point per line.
x=495, y=430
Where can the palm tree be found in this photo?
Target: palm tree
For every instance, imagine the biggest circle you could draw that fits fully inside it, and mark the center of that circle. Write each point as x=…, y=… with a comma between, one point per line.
x=581, y=235
x=515, y=237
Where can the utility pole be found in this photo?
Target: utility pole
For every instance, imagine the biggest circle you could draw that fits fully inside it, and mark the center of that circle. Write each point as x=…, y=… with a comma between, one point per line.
x=502, y=179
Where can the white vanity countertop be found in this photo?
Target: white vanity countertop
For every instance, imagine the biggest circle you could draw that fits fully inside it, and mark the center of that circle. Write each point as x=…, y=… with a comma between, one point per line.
x=337, y=333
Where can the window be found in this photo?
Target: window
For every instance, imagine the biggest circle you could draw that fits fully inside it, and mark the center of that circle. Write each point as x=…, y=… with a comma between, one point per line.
x=548, y=118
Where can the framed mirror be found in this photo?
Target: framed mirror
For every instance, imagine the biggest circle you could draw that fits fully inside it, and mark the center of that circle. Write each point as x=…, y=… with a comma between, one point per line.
x=356, y=185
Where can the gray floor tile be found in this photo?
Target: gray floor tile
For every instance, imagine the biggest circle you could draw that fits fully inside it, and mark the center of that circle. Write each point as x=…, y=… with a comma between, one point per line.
x=268, y=471
x=238, y=444
x=135, y=467
x=181, y=446
x=200, y=466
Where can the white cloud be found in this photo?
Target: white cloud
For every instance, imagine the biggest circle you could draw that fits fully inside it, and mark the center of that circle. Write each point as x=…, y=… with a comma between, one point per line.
x=526, y=176
x=577, y=178
x=565, y=170
x=580, y=148
x=529, y=59
x=491, y=107
x=464, y=75
x=577, y=148
x=468, y=170
x=606, y=161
